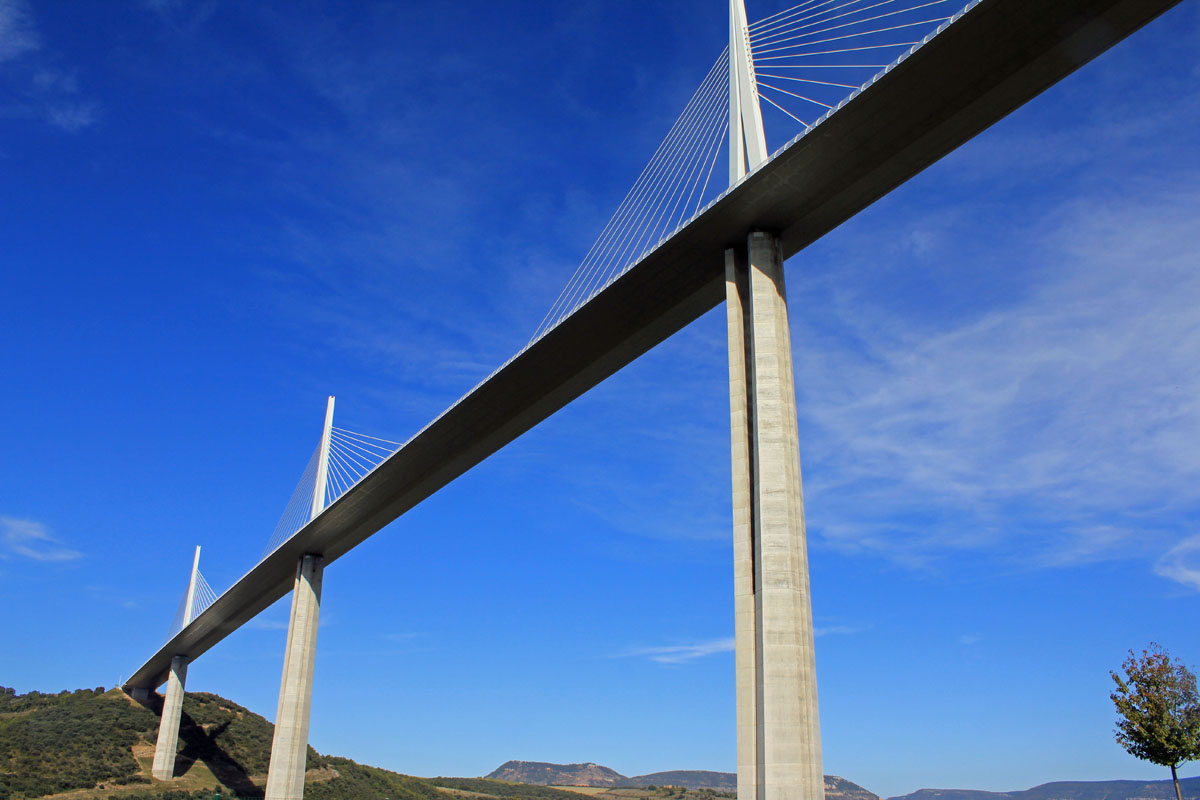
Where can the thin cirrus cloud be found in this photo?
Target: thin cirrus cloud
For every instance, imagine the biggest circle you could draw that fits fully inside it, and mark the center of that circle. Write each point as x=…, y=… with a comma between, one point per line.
x=1182, y=563
x=835, y=630
x=72, y=116
x=679, y=654
x=29, y=539
x=1040, y=420
x=18, y=35
x=39, y=88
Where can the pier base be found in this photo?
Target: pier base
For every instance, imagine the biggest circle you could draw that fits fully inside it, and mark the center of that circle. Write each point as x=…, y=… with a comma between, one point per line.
x=168, y=726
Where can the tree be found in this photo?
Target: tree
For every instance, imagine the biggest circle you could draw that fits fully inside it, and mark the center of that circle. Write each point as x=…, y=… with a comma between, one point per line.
x=1159, y=710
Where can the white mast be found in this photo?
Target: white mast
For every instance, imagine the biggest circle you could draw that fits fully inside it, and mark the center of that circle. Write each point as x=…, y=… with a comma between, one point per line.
x=747, y=142
x=318, y=501
x=190, y=602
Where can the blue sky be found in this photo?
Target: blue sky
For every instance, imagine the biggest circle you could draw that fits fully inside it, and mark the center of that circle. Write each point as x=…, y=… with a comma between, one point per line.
x=213, y=215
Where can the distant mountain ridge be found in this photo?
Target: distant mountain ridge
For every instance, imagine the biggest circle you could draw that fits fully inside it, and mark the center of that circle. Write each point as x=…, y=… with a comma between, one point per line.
x=543, y=773
x=1072, y=790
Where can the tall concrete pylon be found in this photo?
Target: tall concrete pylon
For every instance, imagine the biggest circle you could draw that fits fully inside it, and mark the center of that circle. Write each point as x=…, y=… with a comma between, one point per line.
x=778, y=726
x=289, y=746
x=747, y=141
x=165, y=748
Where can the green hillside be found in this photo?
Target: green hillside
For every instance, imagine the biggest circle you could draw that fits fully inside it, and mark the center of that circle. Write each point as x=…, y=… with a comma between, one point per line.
x=53, y=743
x=96, y=745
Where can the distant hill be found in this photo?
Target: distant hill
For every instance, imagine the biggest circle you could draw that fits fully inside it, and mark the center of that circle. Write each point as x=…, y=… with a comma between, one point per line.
x=590, y=774
x=841, y=789
x=594, y=775
x=1072, y=790
x=541, y=773
x=835, y=788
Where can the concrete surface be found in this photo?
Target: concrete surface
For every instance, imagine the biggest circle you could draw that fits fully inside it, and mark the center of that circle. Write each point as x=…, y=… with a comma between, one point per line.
x=165, y=749
x=289, y=747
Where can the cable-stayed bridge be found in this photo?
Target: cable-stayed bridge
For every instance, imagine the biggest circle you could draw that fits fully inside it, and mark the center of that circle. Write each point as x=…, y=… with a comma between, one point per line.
x=819, y=110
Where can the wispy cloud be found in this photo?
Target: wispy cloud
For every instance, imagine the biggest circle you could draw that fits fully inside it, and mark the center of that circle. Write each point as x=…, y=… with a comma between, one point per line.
x=681, y=653
x=678, y=654
x=18, y=35
x=834, y=630
x=40, y=87
x=49, y=80
x=1182, y=563
x=1065, y=417
x=33, y=540
x=72, y=116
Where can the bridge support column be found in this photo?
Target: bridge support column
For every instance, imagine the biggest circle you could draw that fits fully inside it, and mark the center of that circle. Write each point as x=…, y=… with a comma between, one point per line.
x=289, y=748
x=168, y=726
x=778, y=729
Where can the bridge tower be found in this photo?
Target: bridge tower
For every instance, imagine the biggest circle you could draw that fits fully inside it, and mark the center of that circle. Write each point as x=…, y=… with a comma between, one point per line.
x=289, y=747
x=778, y=728
x=165, y=748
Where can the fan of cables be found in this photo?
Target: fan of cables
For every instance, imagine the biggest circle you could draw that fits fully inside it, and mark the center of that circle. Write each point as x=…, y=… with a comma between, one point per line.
x=202, y=598
x=808, y=60
x=668, y=193
x=812, y=57
x=351, y=457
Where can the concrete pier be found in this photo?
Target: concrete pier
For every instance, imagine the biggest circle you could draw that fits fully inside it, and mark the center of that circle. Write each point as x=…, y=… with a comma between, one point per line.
x=289, y=748
x=168, y=726
x=779, y=740
x=737, y=303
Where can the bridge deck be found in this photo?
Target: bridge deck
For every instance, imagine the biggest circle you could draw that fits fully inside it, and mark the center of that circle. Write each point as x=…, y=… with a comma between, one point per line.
x=991, y=61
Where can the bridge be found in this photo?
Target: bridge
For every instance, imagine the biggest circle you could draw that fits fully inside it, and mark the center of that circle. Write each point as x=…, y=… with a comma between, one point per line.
x=876, y=90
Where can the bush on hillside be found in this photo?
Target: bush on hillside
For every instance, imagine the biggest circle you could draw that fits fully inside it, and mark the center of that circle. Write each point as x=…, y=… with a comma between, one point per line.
x=71, y=740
